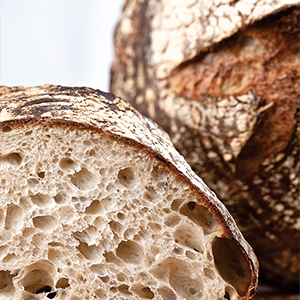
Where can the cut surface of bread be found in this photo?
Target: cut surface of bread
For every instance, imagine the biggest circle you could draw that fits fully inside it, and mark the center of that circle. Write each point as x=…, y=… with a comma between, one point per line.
x=96, y=204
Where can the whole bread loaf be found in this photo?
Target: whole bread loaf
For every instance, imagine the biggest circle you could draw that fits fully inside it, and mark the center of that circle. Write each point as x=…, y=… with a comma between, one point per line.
x=223, y=79
x=95, y=203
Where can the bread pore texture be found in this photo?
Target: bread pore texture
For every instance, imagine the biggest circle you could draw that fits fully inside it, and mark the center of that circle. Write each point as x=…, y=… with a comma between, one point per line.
x=95, y=203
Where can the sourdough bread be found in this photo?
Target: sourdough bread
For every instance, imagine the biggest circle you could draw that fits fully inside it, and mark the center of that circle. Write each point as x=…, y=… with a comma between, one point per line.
x=223, y=79
x=95, y=203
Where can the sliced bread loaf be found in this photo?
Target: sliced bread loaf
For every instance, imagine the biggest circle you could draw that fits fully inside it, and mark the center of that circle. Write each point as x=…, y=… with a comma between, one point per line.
x=95, y=203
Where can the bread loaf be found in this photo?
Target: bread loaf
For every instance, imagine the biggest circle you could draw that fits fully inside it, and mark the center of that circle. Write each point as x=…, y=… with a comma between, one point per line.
x=223, y=79
x=96, y=203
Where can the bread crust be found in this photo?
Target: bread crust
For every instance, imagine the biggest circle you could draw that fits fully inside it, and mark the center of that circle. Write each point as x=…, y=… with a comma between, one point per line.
x=106, y=114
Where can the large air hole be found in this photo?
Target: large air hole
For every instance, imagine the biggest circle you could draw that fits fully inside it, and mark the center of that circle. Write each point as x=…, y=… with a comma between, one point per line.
x=88, y=236
x=94, y=208
x=100, y=293
x=166, y=293
x=172, y=220
x=189, y=236
x=67, y=164
x=10, y=258
x=155, y=226
x=127, y=177
x=44, y=289
x=41, y=200
x=105, y=279
x=46, y=223
x=38, y=277
x=6, y=284
x=150, y=194
x=61, y=197
x=91, y=253
x=129, y=233
x=191, y=255
x=62, y=283
x=13, y=159
x=232, y=264
x=121, y=216
x=121, y=277
x=99, y=269
x=176, y=204
x=84, y=180
x=41, y=174
x=209, y=273
x=199, y=215
x=55, y=255
x=123, y=289
x=113, y=289
x=130, y=252
x=178, y=250
x=111, y=258
x=116, y=227
x=226, y=296
x=14, y=218
x=142, y=291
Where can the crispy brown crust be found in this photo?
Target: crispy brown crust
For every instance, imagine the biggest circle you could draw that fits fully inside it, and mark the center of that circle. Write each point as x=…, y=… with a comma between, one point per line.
x=105, y=114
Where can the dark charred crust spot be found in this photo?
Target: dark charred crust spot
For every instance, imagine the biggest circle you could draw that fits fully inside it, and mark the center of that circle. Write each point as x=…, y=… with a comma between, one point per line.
x=41, y=101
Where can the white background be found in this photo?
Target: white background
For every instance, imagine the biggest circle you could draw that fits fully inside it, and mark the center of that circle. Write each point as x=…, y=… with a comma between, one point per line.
x=66, y=42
